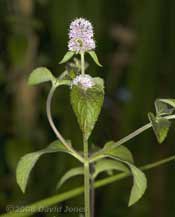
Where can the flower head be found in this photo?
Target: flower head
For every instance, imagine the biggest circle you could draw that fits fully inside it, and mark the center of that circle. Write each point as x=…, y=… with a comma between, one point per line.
x=85, y=81
x=81, y=36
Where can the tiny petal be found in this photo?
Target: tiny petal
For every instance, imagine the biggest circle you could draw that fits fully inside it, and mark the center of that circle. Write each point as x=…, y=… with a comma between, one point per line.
x=81, y=36
x=85, y=81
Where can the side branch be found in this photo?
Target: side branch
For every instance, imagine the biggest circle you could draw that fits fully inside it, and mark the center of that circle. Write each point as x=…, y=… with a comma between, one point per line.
x=138, y=131
x=125, y=139
x=57, y=133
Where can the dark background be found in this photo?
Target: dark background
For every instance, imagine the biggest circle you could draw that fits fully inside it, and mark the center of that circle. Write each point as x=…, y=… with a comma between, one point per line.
x=136, y=45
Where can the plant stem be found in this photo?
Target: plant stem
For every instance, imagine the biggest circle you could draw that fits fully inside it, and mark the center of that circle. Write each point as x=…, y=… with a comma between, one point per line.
x=82, y=63
x=57, y=133
x=92, y=190
x=40, y=205
x=86, y=159
x=96, y=156
x=138, y=131
x=63, y=74
x=86, y=179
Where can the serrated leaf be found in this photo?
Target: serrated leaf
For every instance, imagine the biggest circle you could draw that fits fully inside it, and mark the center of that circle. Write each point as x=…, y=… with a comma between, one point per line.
x=160, y=127
x=70, y=174
x=105, y=165
x=163, y=106
x=40, y=75
x=27, y=162
x=87, y=104
x=67, y=57
x=94, y=57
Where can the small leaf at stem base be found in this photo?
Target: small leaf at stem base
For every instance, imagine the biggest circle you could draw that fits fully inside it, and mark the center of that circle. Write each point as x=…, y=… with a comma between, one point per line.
x=70, y=174
x=110, y=149
x=106, y=165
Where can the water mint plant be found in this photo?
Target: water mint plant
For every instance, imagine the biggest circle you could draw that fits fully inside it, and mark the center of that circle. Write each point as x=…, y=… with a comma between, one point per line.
x=86, y=99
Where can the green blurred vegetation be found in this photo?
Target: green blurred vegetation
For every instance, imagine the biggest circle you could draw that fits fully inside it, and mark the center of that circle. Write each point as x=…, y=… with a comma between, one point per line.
x=136, y=45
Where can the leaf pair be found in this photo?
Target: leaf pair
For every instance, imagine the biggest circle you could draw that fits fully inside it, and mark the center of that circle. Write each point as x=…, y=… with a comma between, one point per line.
x=159, y=122
x=119, y=159
x=28, y=161
x=104, y=165
x=70, y=54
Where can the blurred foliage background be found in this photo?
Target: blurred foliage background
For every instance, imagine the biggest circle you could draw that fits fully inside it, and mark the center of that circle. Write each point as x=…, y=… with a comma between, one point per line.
x=136, y=44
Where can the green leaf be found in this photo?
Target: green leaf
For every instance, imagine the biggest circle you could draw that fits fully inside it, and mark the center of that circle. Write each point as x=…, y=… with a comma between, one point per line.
x=67, y=57
x=28, y=161
x=122, y=154
x=110, y=150
x=139, y=185
x=139, y=181
x=163, y=106
x=87, y=104
x=120, y=151
x=94, y=57
x=170, y=102
x=160, y=127
x=108, y=165
x=68, y=175
x=40, y=75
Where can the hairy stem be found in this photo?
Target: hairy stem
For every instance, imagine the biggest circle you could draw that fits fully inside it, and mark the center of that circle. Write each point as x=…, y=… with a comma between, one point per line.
x=57, y=133
x=82, y=63
x=40, y=205
x=86, y=180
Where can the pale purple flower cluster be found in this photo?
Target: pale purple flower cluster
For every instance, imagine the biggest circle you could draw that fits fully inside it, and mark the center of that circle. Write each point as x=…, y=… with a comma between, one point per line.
x=81, y=36
x=85, y=81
